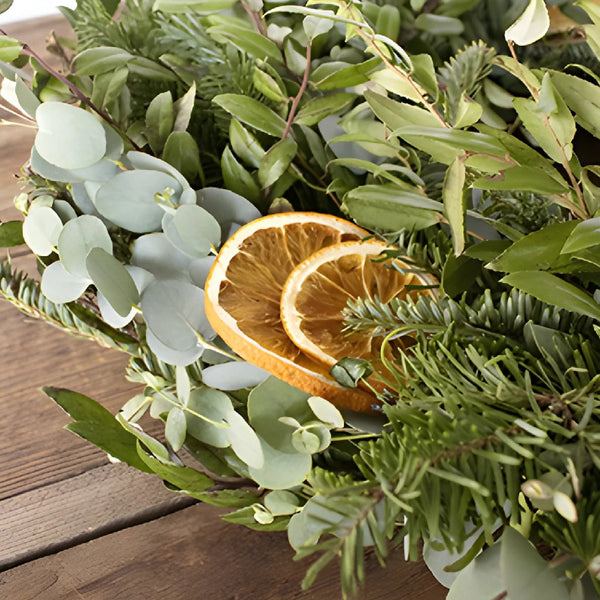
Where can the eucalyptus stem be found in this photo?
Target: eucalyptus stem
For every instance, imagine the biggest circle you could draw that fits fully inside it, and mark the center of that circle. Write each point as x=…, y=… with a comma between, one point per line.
x=28, y=51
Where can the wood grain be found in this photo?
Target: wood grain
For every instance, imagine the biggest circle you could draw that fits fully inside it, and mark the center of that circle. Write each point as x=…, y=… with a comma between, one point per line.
x=100, y=501
x=34, y=450
x=192, y=555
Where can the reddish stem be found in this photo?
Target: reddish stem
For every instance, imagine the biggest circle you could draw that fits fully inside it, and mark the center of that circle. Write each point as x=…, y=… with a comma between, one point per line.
x=298, y=96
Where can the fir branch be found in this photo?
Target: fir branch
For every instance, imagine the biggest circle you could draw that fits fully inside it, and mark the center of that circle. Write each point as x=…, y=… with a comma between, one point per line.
x=463, y=75
x=74, y=318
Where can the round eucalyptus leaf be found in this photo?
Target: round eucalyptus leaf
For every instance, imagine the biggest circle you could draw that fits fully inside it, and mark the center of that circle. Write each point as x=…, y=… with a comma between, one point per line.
x=271, y=400
x=305, y=441
x=315, y=519
x=174, y=312
x=59, y=286
x=69, y=137
x=155, y=253
x=64, y=210
x=169, y=355
x=128, y=199
x=227, y=207
x=282, y=502
x=175, y=428
x=143, y=161
x=192, y=230
x=112, y=279
x=281, y=470
x=244, y=441
x=215, y=406
x=41, y=229
x=114, y=143
x=325, y=411
x=110, y=316
x=82, y=199
x=77, y=238
x=200, y=268
x=102, y=170
x=235, y=375
x=214, y=357
x=142, y=279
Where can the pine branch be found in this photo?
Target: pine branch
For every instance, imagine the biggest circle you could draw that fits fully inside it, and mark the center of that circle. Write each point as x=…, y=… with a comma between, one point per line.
x=463, y=74
x=74, y=318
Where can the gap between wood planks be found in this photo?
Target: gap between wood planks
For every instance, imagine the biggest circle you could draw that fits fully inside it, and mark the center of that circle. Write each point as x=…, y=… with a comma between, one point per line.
x=62, y=515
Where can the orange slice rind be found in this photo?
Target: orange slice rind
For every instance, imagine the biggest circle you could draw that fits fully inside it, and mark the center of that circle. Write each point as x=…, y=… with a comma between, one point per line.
x=243, y=294
x=318, y=289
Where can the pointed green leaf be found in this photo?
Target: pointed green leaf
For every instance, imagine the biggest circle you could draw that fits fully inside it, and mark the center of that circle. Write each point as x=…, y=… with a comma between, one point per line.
x=276, y=161
x=160, y=118
x=185, y=478
x=539, y=250
x=454, y=204
x=175, y=428
x=554, y=291
x=95, y=424
x=112, y=279
x=584, y=235
x=390, y=208
x=268, y=86
x=582, y=97
x=524, y=178
x=237, y=179
x=244, y=144
x=439, y=24
x=318, y=108
x=456, y=138
x=336, y=75
x=10, y=49
x=249, y=42
x=202, y=6
x=182, y=152
x=252, y=112
x=11, y=234
x=102, y=59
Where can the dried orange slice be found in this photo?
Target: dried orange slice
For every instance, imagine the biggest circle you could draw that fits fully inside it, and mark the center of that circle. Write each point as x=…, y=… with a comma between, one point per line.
x=243, y=294
x=319, y=288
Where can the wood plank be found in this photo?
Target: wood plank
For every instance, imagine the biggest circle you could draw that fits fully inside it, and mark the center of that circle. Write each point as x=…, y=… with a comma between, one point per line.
x=62, y=515
x=193, y=555
x=34, y=449
x=15, y=141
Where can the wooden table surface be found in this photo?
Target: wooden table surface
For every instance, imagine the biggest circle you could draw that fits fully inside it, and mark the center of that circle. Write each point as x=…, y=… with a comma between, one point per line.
x=73, y=526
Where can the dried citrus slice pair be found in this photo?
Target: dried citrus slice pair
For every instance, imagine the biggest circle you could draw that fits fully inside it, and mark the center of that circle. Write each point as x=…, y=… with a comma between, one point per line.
x=276, y=292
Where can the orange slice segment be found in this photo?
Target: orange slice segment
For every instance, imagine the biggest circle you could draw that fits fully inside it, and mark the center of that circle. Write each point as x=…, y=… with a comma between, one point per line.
x=243, y=294
x=318, y=289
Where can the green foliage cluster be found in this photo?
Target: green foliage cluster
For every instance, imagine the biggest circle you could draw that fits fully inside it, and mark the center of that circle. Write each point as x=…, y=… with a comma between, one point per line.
x=177, y=122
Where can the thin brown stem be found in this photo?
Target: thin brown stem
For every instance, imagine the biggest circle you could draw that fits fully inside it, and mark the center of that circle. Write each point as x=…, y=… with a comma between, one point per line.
x=368, y=39
x=534, y=92
x=256, y=19
x=77, y=93
x=299, y=95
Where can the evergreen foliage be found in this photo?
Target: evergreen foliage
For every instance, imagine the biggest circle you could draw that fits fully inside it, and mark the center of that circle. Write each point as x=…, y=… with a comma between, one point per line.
x=490, y=422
